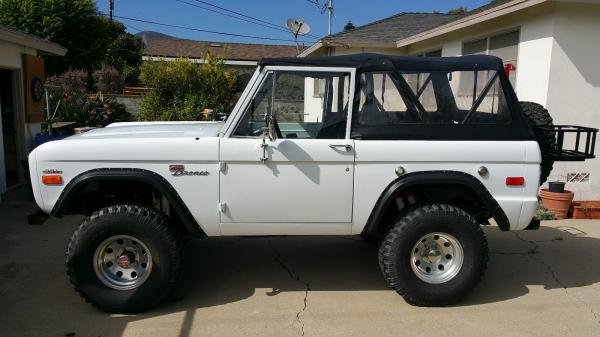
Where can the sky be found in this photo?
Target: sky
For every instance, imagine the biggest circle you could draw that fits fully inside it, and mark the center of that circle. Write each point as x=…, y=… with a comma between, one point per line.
x=275, y=12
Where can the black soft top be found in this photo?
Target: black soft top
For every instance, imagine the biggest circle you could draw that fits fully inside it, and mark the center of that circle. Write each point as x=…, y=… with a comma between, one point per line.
x=379, y=62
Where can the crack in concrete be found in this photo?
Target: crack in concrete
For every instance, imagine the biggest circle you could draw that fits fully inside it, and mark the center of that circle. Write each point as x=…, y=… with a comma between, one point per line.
x=550, y=270
x=297, y=278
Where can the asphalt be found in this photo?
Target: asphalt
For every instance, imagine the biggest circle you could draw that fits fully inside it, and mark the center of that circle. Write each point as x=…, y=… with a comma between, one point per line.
x=538, y=283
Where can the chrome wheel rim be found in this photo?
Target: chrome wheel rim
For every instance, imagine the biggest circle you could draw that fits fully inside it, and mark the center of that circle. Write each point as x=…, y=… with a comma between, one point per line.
x=436, y=258
x=122, y=262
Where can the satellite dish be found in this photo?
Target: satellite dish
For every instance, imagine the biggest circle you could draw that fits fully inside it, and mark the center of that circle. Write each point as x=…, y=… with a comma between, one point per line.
x=297, y=27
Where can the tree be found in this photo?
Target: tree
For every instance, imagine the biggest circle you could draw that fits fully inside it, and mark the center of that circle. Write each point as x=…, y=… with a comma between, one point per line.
x=183, y=90
x=91, y=39
x=349, y=26
x=458, y=10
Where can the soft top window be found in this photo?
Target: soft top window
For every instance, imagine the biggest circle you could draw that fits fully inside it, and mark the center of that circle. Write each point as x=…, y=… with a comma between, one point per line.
x=439, y=97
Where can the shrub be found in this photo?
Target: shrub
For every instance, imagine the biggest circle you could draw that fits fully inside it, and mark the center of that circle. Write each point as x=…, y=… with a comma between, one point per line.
x=70, y=81
x=182, y=90
x=88, y=110
x=108, y=80
x=542, y=213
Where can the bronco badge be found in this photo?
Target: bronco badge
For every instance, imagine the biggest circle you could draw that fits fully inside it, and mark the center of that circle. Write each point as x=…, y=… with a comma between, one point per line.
x=179, y=170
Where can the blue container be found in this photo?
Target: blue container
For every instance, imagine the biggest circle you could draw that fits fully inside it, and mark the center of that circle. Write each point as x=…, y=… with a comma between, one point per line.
x=41, y=139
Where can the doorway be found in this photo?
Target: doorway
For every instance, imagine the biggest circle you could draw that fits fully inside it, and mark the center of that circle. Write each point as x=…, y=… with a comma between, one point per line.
x=9, y=129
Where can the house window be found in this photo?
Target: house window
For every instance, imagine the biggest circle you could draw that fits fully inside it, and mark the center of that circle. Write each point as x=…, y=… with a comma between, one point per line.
x=504, y=46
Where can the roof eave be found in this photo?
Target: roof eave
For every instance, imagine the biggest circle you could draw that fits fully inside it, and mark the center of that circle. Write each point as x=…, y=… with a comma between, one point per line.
x=24, y=39
x=316, y=46
x=467, y=21
x=236, y=62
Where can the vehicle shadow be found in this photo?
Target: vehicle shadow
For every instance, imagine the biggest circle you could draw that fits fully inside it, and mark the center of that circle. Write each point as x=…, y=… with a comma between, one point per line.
x=36, y=296
x=221, y=271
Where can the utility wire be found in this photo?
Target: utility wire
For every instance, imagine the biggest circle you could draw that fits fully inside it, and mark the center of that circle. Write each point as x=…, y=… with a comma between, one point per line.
x=322, y=7
x=233, y=16
x=262, y=22
x=132, y=27
x=206, y=31
x=238, y=13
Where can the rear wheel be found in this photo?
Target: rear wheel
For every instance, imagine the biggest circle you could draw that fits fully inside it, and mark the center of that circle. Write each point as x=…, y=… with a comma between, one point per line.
x=434, y=255
x=537, y=115
x=124, y=259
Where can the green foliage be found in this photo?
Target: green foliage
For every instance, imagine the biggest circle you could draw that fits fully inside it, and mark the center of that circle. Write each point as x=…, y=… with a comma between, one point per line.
x=458, y=10
x=131, y=75
x=542, y=213
x=182, y=90
x=88, y=110
x=91, y=39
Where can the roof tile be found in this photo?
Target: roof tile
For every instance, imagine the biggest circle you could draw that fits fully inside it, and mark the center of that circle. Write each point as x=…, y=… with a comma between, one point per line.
x=172, y=47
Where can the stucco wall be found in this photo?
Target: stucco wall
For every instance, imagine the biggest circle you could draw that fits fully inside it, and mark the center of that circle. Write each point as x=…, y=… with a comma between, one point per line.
x=573, y=95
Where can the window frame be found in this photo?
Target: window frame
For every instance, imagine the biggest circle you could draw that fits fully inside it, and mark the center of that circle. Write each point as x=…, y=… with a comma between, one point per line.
x=488, y=37
x=261, y=75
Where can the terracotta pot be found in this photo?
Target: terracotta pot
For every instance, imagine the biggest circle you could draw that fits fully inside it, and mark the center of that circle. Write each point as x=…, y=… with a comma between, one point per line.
x=586, y=209
x=557, y=203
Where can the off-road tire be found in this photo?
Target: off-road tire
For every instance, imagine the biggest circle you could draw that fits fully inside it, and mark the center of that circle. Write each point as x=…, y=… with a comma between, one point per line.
x=145, y=224
x=397, y=247
x=537, y=115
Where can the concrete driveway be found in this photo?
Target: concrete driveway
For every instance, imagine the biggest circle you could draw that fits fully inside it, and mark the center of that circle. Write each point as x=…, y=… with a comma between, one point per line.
x=540, y=283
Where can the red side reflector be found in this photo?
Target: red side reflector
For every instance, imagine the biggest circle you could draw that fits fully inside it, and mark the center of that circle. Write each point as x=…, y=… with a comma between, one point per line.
x=52, y=179
x=515, y=181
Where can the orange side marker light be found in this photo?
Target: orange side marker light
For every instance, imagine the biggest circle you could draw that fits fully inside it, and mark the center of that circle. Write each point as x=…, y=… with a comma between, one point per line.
x=52, y=179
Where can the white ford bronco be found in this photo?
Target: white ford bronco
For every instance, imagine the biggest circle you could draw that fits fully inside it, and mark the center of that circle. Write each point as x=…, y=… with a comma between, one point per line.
x=412, y=153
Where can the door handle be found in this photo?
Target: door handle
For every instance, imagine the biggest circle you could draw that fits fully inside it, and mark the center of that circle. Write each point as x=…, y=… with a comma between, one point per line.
x=346, y=147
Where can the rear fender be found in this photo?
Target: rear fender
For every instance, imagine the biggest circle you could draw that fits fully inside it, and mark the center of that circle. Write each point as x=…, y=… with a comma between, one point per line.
x=431, y=178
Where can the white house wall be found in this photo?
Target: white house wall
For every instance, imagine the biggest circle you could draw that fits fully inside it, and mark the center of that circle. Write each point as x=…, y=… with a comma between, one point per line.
x=557, y=67
x=573, y=95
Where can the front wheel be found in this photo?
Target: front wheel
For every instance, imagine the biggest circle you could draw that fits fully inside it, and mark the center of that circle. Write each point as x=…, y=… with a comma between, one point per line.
x=124, y=259
x=434, y=255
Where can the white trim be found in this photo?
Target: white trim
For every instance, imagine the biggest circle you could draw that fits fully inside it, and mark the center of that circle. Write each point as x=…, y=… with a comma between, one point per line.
x=350, y=102
x=197, y=60
x=316, y=46
x=241, y=103
x=311, y=69
x=489, y=14
x=258, y=79
x=28, y=40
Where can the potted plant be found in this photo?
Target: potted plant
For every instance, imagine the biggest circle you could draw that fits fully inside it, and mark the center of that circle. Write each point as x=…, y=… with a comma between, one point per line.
x=556, y=199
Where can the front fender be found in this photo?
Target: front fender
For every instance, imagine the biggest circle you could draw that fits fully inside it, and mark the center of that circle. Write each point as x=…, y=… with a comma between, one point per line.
x=127, y=174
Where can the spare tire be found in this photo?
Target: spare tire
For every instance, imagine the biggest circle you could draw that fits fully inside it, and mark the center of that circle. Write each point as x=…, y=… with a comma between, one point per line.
x=537, y=115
